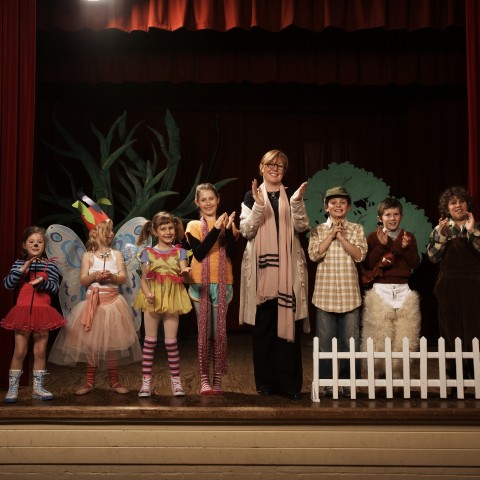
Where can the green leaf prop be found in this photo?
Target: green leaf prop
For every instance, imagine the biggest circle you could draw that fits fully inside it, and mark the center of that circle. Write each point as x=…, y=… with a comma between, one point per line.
x=145, y=187
x=366, y=191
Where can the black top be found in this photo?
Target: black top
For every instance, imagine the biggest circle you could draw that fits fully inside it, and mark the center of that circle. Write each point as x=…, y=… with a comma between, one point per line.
x=200, y=249
x=272, y=197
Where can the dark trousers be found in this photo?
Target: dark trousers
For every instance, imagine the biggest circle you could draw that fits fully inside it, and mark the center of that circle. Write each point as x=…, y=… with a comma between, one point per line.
x=277, y=363
x=458, y=310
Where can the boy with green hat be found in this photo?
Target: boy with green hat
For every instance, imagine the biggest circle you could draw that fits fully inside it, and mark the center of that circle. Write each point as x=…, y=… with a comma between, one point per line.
x=337, y=245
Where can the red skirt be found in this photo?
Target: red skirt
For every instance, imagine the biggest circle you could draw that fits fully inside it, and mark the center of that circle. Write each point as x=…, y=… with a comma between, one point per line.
x=33, y=312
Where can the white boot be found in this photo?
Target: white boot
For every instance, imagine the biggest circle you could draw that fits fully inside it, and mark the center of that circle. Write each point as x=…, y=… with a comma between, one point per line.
x=13, y=384
x=38, y=390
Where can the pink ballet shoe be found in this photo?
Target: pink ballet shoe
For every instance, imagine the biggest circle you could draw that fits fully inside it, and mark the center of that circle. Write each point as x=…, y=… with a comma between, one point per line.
x=118, y=388
x=87, y=388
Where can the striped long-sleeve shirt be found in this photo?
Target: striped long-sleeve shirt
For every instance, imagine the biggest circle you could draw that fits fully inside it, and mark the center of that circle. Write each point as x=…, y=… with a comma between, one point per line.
x=15, y=276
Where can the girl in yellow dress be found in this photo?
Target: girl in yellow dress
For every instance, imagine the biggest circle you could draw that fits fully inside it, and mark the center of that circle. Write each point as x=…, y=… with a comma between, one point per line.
x=163, y=295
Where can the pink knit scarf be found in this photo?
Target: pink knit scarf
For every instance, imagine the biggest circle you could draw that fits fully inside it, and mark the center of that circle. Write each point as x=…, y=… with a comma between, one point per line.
x=220, y=353
x=274, y=262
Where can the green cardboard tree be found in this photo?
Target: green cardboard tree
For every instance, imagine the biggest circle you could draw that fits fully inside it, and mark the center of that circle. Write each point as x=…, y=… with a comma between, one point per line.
x=366, y=191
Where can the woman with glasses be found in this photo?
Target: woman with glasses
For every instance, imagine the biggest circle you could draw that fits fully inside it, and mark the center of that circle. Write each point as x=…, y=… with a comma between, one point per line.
x=274, y=283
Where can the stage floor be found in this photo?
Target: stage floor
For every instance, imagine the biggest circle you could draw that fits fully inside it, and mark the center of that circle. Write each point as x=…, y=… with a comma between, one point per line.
x=239, y=405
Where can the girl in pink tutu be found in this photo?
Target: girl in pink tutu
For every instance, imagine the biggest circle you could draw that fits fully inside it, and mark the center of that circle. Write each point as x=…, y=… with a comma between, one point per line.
x=36, y=279
x=101, y=330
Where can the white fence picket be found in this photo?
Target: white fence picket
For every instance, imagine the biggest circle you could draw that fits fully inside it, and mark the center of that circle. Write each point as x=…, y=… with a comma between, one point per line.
x=406, y=367
x=370, y=369
x=388, y=367
x=316, y=375
x=459, y=367
x=423, y=367
x=371, y=359
x=442, y=367
x=335, y=367
x=476, y=366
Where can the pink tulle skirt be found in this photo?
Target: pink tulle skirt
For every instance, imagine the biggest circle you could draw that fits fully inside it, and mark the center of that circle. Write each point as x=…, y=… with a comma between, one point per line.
x=112, y=334
x=33, y=312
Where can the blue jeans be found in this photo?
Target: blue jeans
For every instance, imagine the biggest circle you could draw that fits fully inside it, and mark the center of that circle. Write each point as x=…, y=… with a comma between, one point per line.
x=342, y=326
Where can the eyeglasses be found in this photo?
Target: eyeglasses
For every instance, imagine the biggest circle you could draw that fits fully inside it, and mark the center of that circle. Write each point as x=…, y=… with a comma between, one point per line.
x=272, y=166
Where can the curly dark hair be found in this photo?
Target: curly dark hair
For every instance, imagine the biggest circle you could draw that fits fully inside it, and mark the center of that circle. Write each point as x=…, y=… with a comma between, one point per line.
x=456, y=191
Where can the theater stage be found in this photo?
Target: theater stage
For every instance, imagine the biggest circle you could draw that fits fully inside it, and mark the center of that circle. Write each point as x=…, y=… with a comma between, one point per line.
x=239, y=434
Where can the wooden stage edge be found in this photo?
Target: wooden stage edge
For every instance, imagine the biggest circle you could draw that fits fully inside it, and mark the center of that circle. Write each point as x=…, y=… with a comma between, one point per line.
x=240, y=405
x=240, y=409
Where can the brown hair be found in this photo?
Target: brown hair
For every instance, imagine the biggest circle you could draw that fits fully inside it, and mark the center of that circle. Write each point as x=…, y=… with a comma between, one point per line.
x=387, y=203
x=456, y=191
x=161, y=218
x=104, y=228
x=205, y=186
x=273, y=155
x=29, y=231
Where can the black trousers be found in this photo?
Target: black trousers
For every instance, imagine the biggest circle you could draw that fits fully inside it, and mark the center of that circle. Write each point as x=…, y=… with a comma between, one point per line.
x=458, y=309
x=277, y=363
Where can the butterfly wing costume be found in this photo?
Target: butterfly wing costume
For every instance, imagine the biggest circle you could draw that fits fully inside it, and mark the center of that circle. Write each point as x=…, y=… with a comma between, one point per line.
x=111, y=329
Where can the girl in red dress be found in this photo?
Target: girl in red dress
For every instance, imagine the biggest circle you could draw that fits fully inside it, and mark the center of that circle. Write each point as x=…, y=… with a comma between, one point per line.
x=36, y=279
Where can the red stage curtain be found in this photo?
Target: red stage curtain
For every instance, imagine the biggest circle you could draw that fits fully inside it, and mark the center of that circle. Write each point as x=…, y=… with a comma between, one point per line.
x=424, y=57
x=273, y=15
x=473, y=88
x=17, y=113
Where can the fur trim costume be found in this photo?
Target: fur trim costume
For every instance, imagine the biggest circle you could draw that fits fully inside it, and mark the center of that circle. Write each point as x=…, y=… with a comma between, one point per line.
x=391, y=309
x=381, y=320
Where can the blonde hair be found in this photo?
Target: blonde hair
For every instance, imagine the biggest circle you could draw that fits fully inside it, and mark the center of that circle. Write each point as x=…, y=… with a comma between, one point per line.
x=103, y=228
x=273, y=155
x=161, y=218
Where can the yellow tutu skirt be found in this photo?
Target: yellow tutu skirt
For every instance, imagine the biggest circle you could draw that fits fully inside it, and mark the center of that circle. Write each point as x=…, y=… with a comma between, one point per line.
x=170, y=297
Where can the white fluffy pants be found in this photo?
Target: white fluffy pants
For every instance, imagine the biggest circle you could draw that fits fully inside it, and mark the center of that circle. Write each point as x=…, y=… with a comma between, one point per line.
x=381, y=320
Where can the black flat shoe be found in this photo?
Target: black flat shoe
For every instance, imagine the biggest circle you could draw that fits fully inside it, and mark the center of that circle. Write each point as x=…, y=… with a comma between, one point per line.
x=266, y=391
x=294, y=395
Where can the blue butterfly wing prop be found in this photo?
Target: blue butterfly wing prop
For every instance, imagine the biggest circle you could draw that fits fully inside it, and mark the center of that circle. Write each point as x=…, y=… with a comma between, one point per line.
x=125, y=241
x=66, y=249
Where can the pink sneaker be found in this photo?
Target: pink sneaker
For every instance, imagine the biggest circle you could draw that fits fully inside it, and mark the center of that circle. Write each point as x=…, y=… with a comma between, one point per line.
x=146, y=390
x=177, y=388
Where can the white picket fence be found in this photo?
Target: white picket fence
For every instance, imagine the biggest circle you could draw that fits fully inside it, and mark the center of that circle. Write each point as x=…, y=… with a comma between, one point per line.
x=421, y=380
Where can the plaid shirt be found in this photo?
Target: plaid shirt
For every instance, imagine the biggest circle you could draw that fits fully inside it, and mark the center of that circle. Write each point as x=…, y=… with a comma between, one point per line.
x=336, y=283
x=436, y=244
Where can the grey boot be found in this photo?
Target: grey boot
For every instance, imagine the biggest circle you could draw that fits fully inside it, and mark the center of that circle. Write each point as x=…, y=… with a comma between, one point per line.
x=13, y=384
x=38, y=390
